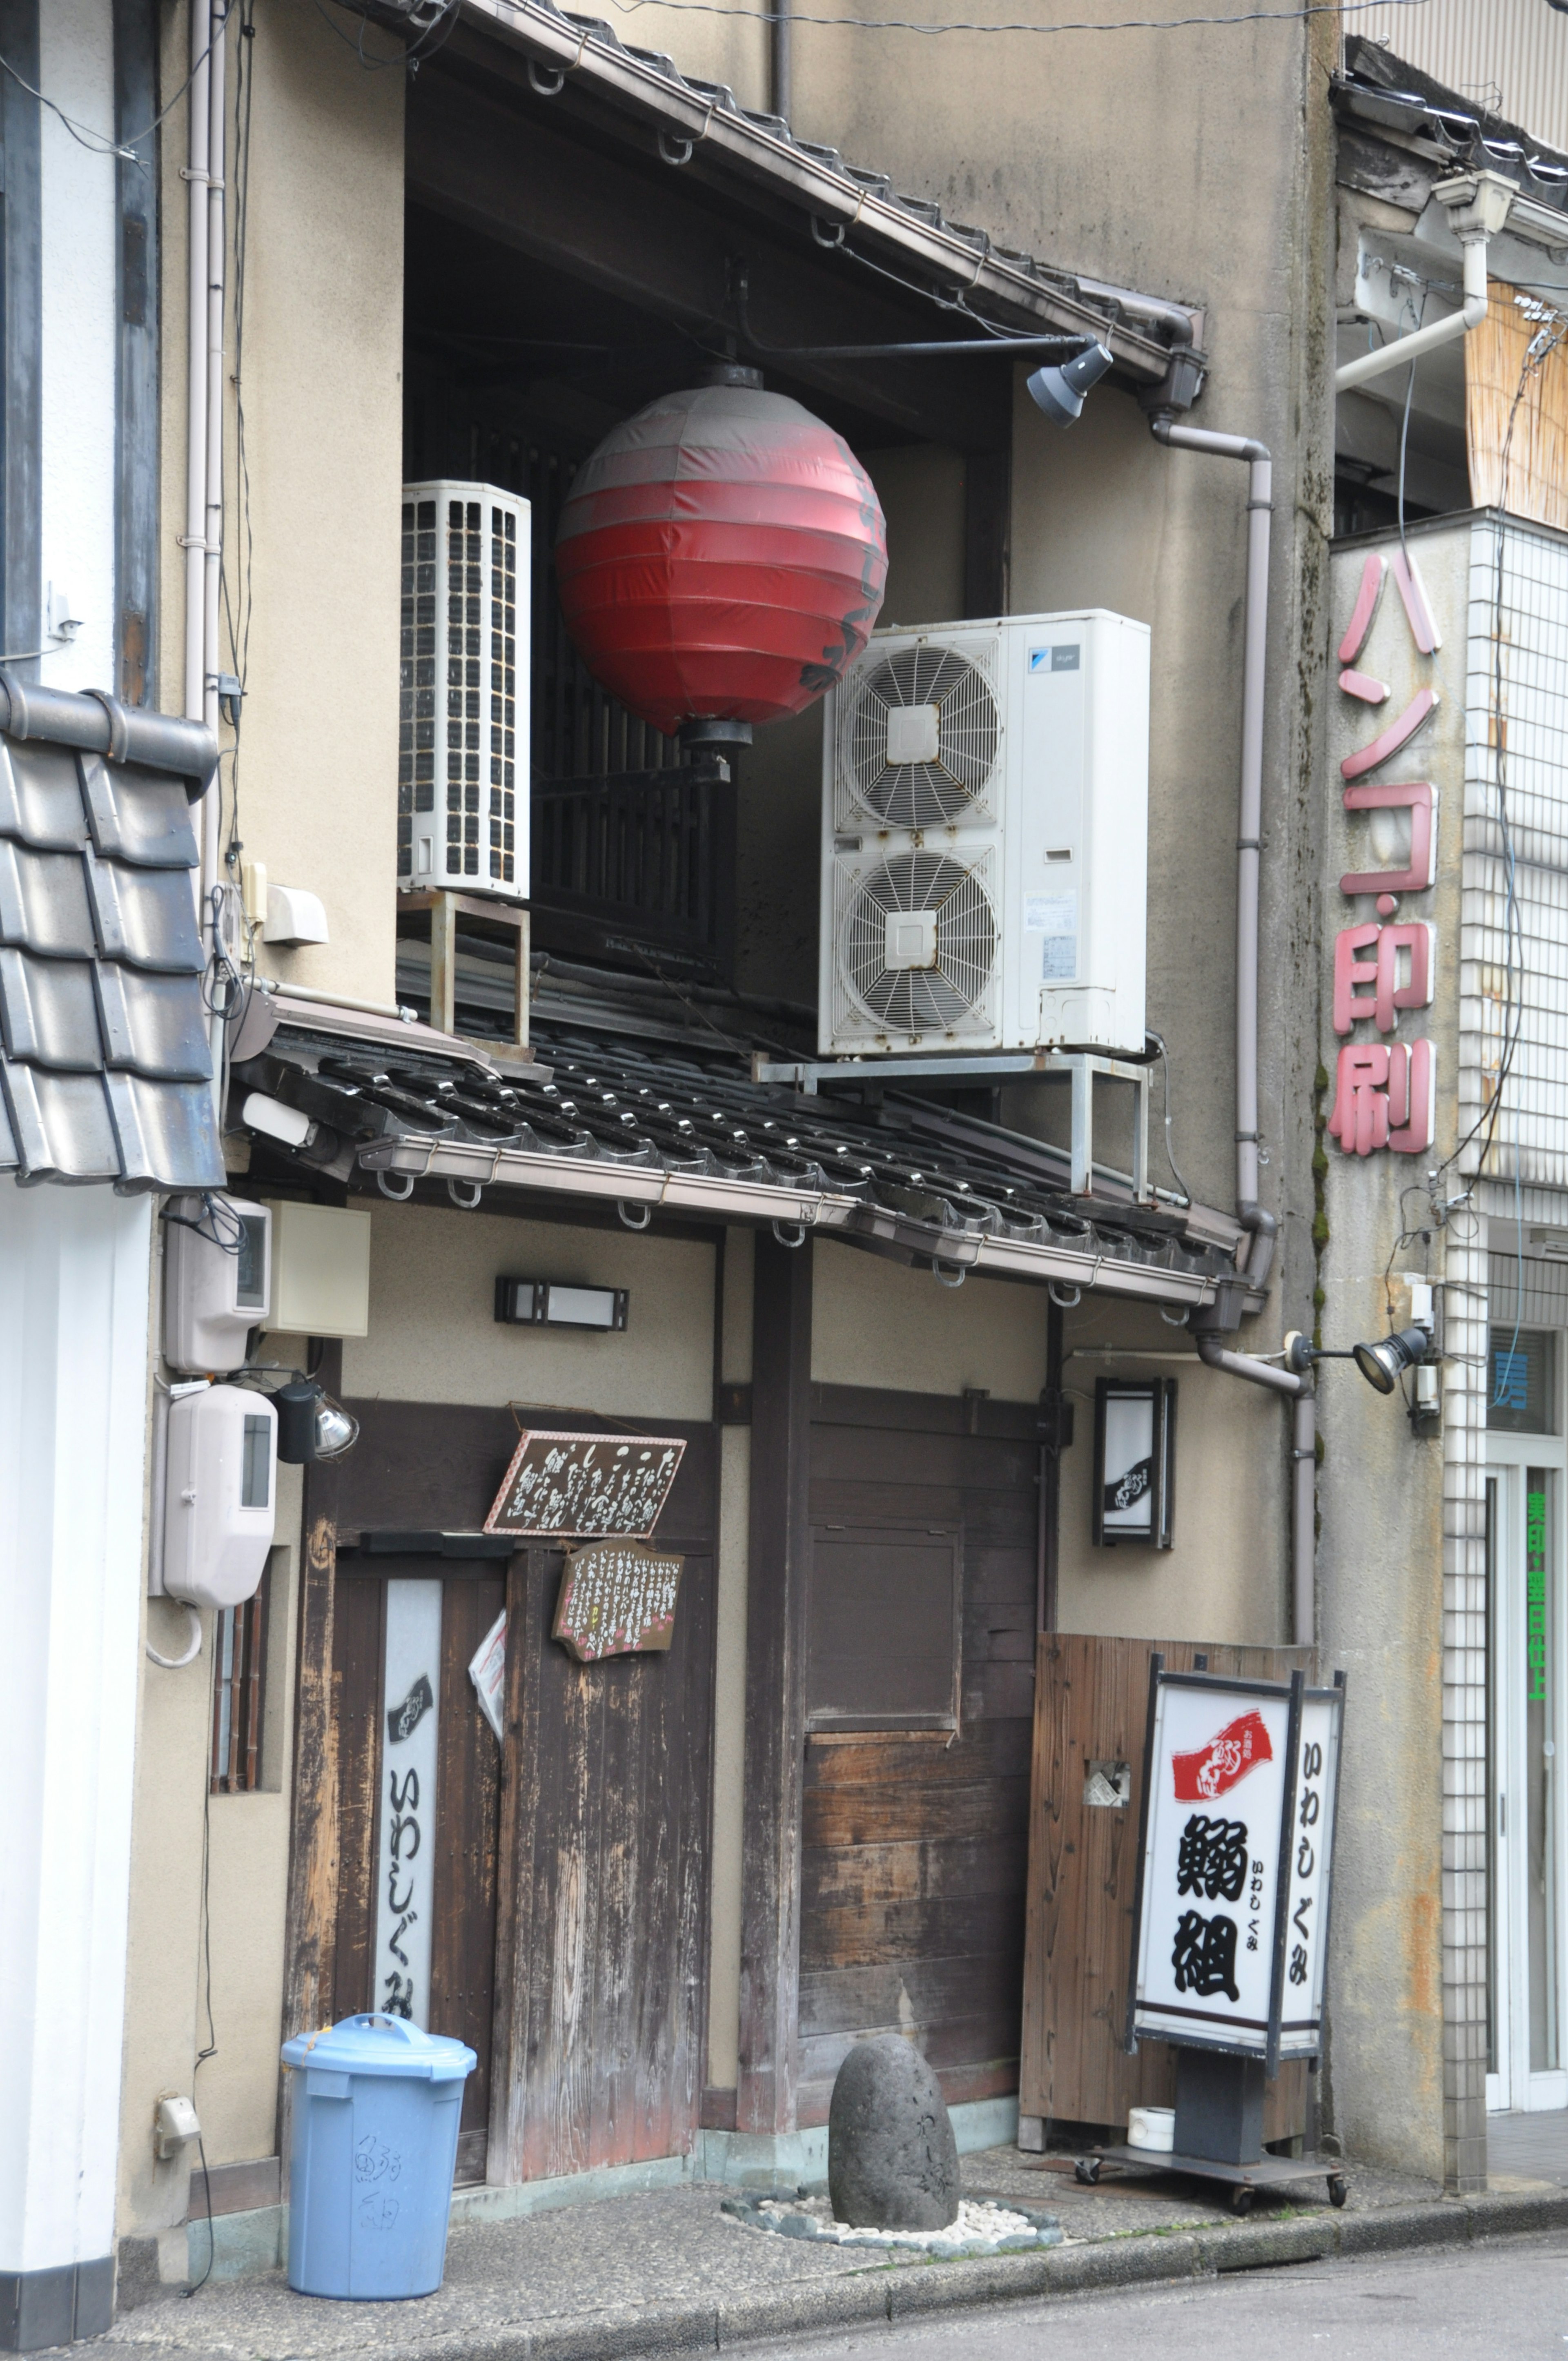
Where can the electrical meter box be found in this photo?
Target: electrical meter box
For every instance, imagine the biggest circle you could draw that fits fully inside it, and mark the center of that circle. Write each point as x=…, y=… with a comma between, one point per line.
x=321, y=1270
x=218, y=1274
x=218, y=1505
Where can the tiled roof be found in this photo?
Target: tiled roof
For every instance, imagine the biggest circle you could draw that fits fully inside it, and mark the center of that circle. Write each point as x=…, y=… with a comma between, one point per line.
x=105, y=1073
x=689, y=1131
x=1384, y=93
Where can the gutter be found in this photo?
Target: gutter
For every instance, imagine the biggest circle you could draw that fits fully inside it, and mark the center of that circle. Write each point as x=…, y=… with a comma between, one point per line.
x=1478, y=206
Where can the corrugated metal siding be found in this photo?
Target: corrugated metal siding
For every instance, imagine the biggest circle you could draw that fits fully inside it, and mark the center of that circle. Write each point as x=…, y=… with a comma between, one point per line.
x=1530, y=1140
x=1509, y=55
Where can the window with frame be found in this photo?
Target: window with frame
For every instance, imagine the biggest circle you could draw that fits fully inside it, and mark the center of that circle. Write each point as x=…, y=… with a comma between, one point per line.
x=239, y=1660
x=883, y=1626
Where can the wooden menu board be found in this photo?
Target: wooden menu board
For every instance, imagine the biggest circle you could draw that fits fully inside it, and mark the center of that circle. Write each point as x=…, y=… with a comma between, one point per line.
x=617, y=1600
x=586, y=1487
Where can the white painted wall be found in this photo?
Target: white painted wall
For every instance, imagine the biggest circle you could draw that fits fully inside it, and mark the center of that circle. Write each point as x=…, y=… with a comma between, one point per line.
x=76, y=67
x=75, y=1266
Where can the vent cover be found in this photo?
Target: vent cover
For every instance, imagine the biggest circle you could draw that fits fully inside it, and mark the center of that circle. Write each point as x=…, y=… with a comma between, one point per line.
x=918, y=979
x=920, y=736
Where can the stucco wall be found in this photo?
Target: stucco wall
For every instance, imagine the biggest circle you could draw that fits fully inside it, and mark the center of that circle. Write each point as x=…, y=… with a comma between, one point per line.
x=434, y=1335
x=313, y=527
x=875, y=1323
x=1224, y=1576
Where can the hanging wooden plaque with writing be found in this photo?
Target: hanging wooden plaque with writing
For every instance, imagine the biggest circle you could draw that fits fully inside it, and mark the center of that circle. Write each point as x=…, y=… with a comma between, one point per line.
x=586, y=1487
x=617, y=1600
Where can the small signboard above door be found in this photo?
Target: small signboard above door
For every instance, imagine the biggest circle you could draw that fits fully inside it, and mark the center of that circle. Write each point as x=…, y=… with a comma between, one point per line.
x=617, y=1600
x=586, y=1487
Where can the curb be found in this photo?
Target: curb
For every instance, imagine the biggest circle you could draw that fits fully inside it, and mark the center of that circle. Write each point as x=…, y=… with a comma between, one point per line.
x=908, y=2292
x=892, y=2293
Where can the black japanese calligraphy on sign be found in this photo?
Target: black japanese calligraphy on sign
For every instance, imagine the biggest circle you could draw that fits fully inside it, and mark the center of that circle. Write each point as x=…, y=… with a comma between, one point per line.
x=1203, y=1956
x=1212, y=1859
x=586, y=1487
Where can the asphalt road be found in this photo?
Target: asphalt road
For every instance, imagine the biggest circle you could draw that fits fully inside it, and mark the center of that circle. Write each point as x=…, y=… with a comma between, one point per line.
x=1508, y=2298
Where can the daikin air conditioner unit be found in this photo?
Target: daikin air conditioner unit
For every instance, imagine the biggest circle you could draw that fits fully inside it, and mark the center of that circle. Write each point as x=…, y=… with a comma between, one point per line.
x=985, y=848
x=463, y=716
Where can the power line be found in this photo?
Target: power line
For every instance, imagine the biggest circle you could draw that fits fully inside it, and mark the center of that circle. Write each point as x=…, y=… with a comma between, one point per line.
x=1118, y=24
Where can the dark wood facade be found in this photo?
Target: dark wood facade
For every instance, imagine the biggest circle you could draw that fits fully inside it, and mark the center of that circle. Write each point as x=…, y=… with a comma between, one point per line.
x=915, y=1843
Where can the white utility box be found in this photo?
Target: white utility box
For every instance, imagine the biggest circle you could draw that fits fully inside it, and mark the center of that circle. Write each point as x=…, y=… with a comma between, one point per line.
x=986, y=838
x=216, y=1280
x=218, y=1502
x=321, y=1270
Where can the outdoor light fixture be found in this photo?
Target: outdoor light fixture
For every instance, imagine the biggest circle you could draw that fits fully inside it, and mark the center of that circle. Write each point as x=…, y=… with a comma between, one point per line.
x=1381, y=1364
x=545, y=1303
x=1058, y=388
x=310, y=1426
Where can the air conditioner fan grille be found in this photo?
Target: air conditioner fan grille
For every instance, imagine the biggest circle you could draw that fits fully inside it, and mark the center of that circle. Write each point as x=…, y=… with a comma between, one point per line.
x=946, y=788
x=921, y=999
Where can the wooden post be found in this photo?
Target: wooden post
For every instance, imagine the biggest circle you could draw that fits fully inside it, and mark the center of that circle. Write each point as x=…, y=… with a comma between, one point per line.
x=775, y=1686
x=443, y=962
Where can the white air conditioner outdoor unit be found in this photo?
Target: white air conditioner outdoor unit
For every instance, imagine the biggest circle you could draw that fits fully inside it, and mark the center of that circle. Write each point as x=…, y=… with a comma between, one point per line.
x=985, y=839
x=463, y=715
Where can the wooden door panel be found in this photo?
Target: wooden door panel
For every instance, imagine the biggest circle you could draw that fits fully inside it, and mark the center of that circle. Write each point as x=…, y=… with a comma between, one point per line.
x=1091, y=1705
x=604, y=1889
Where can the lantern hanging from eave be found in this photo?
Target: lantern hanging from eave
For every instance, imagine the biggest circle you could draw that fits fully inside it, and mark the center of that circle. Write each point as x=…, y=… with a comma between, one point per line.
x=721, y=558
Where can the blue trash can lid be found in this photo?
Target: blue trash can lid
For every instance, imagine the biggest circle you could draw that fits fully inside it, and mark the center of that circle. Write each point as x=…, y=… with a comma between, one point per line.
x=373, y=2044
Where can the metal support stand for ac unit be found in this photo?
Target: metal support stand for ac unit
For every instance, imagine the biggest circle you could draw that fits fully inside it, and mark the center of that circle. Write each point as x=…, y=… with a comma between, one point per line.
x=502, y=922
x=1080, y=1065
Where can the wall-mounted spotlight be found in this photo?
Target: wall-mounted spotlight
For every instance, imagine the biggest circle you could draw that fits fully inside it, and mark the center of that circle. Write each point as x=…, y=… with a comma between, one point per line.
x=1381, y=1364
x=1058, y=388
x=310, y=1426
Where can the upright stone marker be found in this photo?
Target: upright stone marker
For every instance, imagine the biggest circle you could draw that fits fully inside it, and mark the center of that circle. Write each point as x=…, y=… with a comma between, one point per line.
x=893, y=2163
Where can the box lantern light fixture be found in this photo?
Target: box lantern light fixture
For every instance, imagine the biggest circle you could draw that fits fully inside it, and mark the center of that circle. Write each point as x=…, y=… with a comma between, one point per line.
x=547, y=1304
x=1135, y=1462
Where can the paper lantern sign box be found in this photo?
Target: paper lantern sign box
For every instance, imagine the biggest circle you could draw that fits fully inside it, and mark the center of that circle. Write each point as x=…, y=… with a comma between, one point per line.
x=1241, y=1781
x=586, y=1487
x=617, y=1600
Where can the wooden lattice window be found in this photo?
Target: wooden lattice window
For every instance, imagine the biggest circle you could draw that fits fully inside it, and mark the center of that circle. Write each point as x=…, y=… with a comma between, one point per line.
x=239, y=1651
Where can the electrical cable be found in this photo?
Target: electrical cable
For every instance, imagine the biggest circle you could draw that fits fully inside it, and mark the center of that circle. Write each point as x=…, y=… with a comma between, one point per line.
x=1119, y=25
x=101, y=143
x=1169, y=1153
x=413, y=56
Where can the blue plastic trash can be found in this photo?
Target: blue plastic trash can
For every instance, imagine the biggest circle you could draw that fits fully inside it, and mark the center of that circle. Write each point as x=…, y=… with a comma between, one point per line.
x=376, y=2112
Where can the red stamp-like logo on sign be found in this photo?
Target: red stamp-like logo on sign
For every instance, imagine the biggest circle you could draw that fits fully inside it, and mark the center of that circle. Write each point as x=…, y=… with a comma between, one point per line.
x=1212, y=1770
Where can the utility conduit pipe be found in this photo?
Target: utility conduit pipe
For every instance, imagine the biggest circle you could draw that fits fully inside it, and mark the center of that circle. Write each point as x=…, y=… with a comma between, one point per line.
x=203, y=536
x=1253, y=1219
x=1303, y=1471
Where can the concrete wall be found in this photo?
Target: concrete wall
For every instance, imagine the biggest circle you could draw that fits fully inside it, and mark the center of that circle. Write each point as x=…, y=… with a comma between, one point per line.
x=730, y=1680
x=1380, y=1561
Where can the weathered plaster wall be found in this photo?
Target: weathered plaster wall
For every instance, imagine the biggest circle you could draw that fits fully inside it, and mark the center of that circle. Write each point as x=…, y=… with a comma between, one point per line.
x=730, y=1680
x=1380, y=1493
x=875, y=1323
x=434, y=1336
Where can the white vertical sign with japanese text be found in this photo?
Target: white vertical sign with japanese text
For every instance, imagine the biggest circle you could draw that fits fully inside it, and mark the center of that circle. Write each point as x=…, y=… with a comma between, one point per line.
x=405, y=1854
x=1232, y=1894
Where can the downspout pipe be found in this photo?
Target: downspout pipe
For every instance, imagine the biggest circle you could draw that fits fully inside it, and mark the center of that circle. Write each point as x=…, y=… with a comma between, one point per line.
x=1260, y=480
x=1261, y=1225
x=1410, y=349
x=1303, y=1469
x=203, y=536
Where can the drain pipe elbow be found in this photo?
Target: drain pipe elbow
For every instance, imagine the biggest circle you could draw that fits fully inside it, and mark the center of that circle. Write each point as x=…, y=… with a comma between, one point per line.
x=1213, y=1355
x=1262, y=1230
